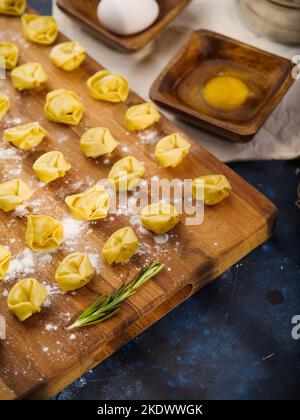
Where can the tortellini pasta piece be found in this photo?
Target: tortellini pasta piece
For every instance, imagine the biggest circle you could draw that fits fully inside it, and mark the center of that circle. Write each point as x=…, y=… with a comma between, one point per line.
x=5, y=258
x=25, y=136
x=40, y=29
x=68, y=55
x=13, y=193
x=4, y=106
x=90, y=205
x=160, y=218
x=97, y=142
x=26, y=298
x=10, y=53
x=51, y=166
x=28, y=76
x=63, y=106
x=13, y=7
x=121, y=246
x=43, y=233
x=107, y=86
x=140, y=117
x=171, y=150
x=216, y=189
x=126, y=173
x=74, y=272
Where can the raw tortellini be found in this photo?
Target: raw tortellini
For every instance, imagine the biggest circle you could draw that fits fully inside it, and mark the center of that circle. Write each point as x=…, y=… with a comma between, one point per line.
x=171, y=150
x=126, y=173
x=160, y=218
x=4, y=106
x=121, y=246
x=140, y=117
x=25, y=136
x=68, y=55
x=26, y=298
x=51, y=166
x=107, y=86
x=5, y=258
x=97, y=142
x=216, y=188
x=28, y=76
x=74, y=272
x=10, y=53
x=63, y=106
x=43, y=233
x=13, y=193
x=40, y=29
x=90, y=205
x=13, y=7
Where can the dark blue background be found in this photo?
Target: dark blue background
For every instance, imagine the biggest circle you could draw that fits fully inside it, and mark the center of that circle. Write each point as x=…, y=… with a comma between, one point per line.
x=232, y=340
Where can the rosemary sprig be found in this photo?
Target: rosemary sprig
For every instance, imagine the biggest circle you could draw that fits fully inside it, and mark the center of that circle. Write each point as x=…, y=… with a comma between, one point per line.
x=106, y=307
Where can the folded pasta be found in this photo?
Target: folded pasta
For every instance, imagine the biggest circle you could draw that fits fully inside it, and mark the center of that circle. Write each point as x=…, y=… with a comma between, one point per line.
x=68, y=55
x=140, y=117
x=63, y=106
x=160, y=218
x=126, y=173
x=107, y=86
x=97, y=142
x=13, y=193
x=28, y=76
x=216, y=189
x=13, y=7
x=5, y=258
x=90, y=205
x=26, y=298
x=43, y=233
x=40, y=29
x=10, y=53
x=121, y=246
x=4, y=105
x=171, y=150
x=25, y=136
x=74, y=272
x=51, y=166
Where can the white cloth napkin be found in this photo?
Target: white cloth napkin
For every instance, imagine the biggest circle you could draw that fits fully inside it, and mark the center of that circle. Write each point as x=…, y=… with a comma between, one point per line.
x=280, y=136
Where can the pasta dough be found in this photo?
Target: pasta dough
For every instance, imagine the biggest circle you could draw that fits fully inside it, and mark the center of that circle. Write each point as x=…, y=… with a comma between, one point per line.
x=43, y=233
x=126, y=173
x=90, y=205
x=74, y=272
x=97, y=142
x=25, y=136
x=13, y=7
x=171, y=150
x=68, y=55
x=140, y=117
x=216, y=188
x=10, y=52
x=4, y=106
x=26, y=298
x=160, y=218
x=107, y=86
x=28, y=76
x=13, y=193
x=5, y=258
x=121, y=246
x=63, y=106
x=51, y=166
x=40, y=29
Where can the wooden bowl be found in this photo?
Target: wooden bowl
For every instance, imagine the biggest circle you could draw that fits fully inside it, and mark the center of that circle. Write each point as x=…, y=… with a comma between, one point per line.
x=86, y=13
x=206, y=54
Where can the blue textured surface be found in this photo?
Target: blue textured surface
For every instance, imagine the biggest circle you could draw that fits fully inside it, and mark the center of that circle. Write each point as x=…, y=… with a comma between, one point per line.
x=232, y=339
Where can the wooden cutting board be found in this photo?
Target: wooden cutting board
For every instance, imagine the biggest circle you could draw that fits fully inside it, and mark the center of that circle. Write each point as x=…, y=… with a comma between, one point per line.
x=39, y=357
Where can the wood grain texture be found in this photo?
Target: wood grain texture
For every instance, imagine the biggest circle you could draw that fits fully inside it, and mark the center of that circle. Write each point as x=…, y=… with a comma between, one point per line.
x=86, y=14
x=37, y=361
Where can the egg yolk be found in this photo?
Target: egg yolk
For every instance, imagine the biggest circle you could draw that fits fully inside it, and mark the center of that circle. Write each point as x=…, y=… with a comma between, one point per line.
x=225, y=93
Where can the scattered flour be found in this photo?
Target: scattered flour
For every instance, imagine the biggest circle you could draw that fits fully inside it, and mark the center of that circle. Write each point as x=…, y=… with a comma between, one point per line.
x=22, y=264
x=10, y=154
x=149, y=137
x=161, y=239
x=95, y=261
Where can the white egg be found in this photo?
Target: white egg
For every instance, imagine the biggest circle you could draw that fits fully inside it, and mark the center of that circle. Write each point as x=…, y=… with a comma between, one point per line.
x=127, y=17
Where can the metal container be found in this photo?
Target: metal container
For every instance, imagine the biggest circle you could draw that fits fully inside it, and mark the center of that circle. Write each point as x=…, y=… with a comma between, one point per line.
x=278, y=20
